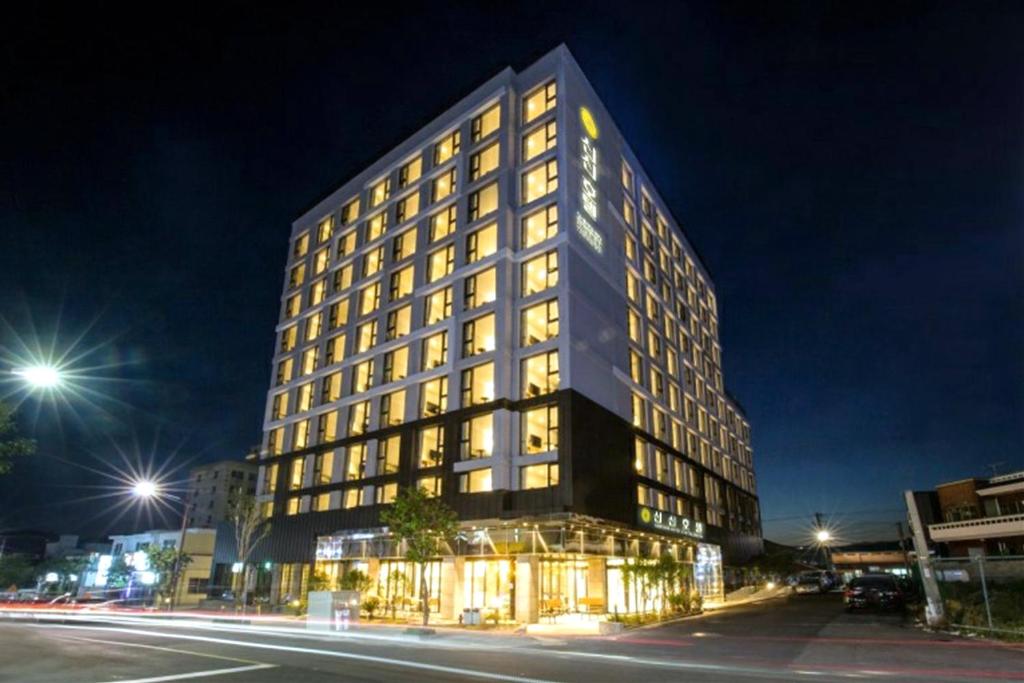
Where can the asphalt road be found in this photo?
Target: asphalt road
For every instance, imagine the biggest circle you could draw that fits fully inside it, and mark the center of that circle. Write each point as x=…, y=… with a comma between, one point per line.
x=806, y=637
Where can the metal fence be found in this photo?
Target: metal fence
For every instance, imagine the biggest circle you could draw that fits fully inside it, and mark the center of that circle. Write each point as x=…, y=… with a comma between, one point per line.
x=984, y=594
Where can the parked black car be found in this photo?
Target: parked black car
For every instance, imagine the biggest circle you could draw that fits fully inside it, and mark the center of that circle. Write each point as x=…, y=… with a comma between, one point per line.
x=881, y=591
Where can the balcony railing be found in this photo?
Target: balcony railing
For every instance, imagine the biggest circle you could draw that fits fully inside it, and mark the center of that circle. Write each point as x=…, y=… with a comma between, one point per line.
x=982, y=527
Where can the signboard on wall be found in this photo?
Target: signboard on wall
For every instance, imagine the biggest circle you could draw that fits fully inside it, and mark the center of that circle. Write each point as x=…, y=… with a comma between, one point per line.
x=589, y=199
x=666, y=522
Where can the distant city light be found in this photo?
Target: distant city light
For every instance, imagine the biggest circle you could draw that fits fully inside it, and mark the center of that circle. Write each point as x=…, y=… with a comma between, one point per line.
x=40, y=376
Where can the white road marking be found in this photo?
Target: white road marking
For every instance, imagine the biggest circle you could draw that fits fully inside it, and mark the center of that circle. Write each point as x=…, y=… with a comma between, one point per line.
x=197, y=674
x=122, y=643
x=471, y=673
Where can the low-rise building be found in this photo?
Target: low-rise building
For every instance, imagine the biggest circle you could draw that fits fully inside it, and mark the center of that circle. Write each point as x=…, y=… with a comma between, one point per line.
x=981, y=516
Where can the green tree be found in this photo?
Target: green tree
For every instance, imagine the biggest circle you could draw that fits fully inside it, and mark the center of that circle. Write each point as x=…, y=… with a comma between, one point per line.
x=15, y=571
x=250, y=528
x=118, y=573
x=168, y=564
x=11, y=444
x=355, y=580
x=420, y=521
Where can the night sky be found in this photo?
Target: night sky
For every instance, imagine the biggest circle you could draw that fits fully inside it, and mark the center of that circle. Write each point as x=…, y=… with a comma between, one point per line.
x=851, y=172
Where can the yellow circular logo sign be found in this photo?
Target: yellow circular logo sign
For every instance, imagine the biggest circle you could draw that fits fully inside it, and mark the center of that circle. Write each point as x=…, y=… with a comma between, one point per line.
x=589, y=124
x=645, y=514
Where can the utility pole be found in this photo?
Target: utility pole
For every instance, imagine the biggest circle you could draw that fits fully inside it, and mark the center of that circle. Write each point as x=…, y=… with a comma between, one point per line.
x=824, y=539
x=934, y=610
x=903, y=546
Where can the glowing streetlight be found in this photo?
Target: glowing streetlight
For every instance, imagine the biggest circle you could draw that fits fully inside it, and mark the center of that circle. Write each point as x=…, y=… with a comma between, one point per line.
x=144, y=489
x=40, y=376
x=823, y=536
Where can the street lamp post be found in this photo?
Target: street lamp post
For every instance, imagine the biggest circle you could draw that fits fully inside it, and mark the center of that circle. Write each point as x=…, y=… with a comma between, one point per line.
x=147, y=489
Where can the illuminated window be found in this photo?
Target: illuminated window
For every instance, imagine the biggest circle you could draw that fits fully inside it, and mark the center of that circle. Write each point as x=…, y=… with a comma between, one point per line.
x=323, y=230
x=646, y=207
x=540, y=374
x=292, y=306
x=477, y=437
x=330, y=388
x=539, y=140
x=442, y=186
x=630, y=248
x=320, y=502
x=337, y=314
x=279, y=406
x=657, y=383
x=539, y=226
x=404, y=245
x=434, y=397
x=442, y=223
x=292, y=507
x=297, y=275
x=407, y=207
x=440, y=263
x=486, y=123
x=320, y=260
x=355, y=462
x=351, y=498
x=429, y=485
x=399, y=322
x=362, y=376
x=314, y=324
x=483, y=162
x=639, y=411
x=346, y=244
x=636, y=367
x=437, y=306
x=343, y=278
x=373, y=261
x=380, y=192
x=628, y=213
x=435, y=350
x=350, y=211
x=323, y=468
x=538, y=476
x=478, y=385
x=475, y=481
x=275, y=441
x=410, y=172
x=376, y=226
x=430, y=446
x=401, y=283
x=540, y=430
x=539, y=101
x=289, y=336
x=539, y=323
x=480, y=288
x=270, y=478
x=366, y=336
x=640, y=457
x=387, y=455
x=483, y=202
x=447, y=147
x=482, y=243
x=540, y=273
x=539, y=181
x=284, y=371
x=632, y=287
x=309, y=359
x=300, y=435
x=301, y=245
x=317, y=292
x=627, y=177
x=327, y=427
x=358, y=418
x=392, y=408
x=386, y=493
x=396, y=365
x=369, y=299
x=478, y=336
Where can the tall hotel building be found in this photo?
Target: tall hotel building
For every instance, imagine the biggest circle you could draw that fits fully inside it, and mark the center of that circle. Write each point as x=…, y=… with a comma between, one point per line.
x=502, y=311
